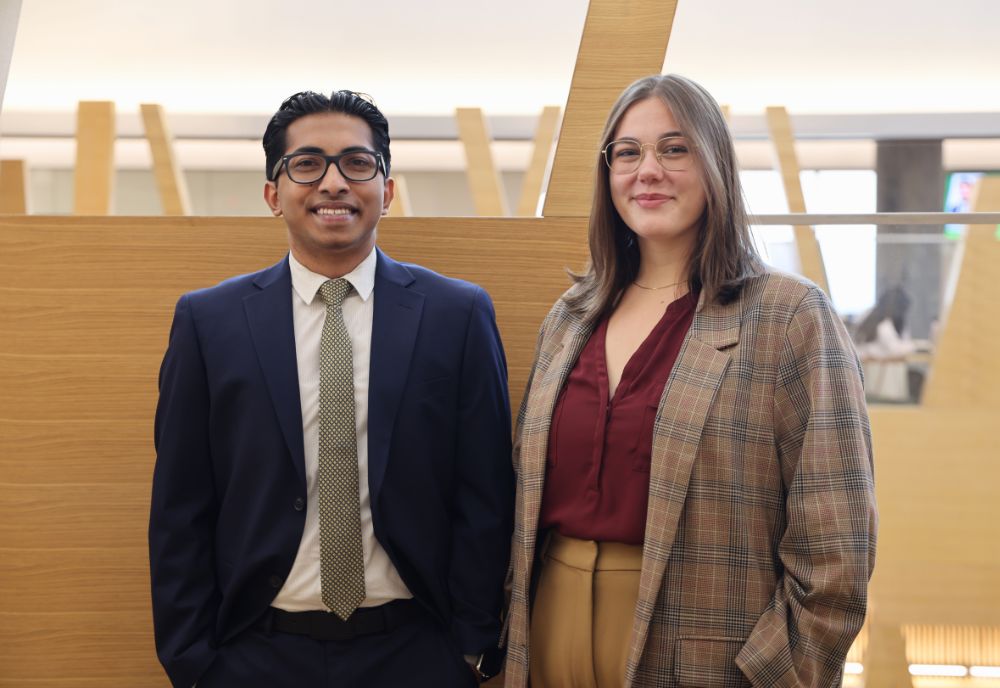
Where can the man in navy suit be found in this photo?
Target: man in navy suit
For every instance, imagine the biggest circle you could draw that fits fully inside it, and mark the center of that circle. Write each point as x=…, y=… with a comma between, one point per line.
x=240, y=526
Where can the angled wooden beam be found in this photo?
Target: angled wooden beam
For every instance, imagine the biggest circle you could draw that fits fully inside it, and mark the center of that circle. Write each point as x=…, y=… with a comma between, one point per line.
x=169, y=178
x=966, y=367
x=484, y=180
x=400, y=206
x=810, y=257
x=622, y=41
x=93, y=176
x=534, y=176
x=13, y=187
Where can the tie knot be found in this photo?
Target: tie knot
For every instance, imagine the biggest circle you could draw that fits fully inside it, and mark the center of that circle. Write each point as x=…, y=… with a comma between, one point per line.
x=333, y=292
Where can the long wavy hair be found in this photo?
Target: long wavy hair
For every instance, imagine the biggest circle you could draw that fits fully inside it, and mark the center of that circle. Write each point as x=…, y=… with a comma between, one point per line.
x=724, y=254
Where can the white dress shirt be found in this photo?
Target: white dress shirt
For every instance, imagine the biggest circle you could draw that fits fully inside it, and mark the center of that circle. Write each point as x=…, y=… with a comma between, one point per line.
x=301, y=591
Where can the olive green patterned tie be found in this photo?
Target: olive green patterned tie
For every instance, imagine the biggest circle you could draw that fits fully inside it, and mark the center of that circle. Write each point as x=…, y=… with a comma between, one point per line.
x=342, y=568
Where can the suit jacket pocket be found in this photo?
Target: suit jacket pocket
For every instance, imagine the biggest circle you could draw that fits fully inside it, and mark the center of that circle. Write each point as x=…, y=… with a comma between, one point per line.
x=708, y=662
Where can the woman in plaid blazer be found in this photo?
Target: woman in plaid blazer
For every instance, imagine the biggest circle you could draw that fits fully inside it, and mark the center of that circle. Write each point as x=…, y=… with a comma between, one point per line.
x=752, y=530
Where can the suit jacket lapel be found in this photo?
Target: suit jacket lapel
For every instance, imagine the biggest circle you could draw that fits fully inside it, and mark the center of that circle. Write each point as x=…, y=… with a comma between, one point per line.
x=398, y=309
x=269, y=316
x=683, y=410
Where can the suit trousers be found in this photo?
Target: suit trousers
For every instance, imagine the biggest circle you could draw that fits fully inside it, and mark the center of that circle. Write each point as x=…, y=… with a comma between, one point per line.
x=581, y=621
x=418, y=654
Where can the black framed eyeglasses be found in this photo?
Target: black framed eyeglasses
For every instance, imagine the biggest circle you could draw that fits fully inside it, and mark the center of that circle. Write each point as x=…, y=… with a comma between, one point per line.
x=308, y=168
x=672, y=152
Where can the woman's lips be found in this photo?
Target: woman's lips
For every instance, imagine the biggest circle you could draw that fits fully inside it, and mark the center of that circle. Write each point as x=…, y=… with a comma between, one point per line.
x=651, y=200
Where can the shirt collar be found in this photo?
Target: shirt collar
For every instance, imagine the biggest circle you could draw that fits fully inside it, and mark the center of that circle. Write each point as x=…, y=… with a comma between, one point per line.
x=306, y=283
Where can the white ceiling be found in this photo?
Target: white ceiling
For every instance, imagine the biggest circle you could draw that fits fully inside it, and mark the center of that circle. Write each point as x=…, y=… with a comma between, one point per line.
x=511, y=57
x=844, y=69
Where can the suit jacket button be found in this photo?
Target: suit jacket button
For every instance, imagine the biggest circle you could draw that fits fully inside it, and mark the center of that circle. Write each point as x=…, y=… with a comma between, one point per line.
x=275, y=581
x=300, y=504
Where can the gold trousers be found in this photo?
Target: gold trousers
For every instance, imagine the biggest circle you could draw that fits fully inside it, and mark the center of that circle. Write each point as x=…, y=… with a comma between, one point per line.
x=581, y=620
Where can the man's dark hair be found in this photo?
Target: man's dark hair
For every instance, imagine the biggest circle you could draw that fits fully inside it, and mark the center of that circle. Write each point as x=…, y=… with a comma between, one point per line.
x=308, y=103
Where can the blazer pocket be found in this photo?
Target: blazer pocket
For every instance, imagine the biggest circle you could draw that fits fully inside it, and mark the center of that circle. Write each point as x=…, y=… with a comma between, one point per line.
x=708, y=662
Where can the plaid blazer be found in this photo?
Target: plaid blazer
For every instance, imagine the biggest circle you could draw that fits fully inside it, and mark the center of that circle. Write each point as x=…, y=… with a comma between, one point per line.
x=760, y=530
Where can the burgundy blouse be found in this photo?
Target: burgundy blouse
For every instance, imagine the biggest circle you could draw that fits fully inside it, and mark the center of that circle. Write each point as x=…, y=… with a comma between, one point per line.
x=597, y=473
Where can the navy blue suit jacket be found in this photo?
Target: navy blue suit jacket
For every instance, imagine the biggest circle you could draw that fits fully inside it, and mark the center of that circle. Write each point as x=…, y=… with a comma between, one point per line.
x=229, y=485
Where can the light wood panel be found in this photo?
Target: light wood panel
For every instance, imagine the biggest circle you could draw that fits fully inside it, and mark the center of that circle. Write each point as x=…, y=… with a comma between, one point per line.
x=75, y=579
x=60, y=516
x=534, y=176
x=79, y=358
x=114, y=646
x=966, y=369
x=936, y=474
x=622, y=41
x=810, y=258
x=93, y=175
x=400, y=206
x=104, y=451
x=13, y=187
x=169, y=178
x=484, y=180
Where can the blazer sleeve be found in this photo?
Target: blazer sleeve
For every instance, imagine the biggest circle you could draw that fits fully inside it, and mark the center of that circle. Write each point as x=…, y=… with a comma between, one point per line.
x=484, y=499
x=828, y=548
x=183, y=510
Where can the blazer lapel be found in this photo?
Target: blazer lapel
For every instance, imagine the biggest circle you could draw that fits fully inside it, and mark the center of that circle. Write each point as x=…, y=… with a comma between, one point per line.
x=683, y=410
x=269, y=316
x=538, y=420
x=398, y=309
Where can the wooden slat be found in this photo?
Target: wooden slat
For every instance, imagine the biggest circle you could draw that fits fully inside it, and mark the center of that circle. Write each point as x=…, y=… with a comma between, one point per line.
x=966, y=368
x=93, y=176
x=810, y=258
x=78, y=387
x=116, y=646
x=64, y=321
x=76, y=579
x=534, y=176
x=75, y=451
x=400, y=206
x=13, y=187
x=484, y=179
x=169, y=178
x=622, y=41
x=60, y=516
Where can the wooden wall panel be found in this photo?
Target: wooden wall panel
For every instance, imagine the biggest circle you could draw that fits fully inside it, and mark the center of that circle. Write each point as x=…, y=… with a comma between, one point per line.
x=13, y=187
x=79, y=359
x=93, y=175
x=112, y=646
x=936, y=473
x=622, y=41
x=169, y=178
x=76, y=427
x=97, y=451
x=484, y=180
x=76, y=579
x=810, y=257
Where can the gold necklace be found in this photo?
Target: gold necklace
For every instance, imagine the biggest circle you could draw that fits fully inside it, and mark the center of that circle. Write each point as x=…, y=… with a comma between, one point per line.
x=672, y=284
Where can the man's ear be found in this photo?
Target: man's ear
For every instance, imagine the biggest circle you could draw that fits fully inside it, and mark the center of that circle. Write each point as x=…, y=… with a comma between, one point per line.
x=271, y=198
x=388, y=194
